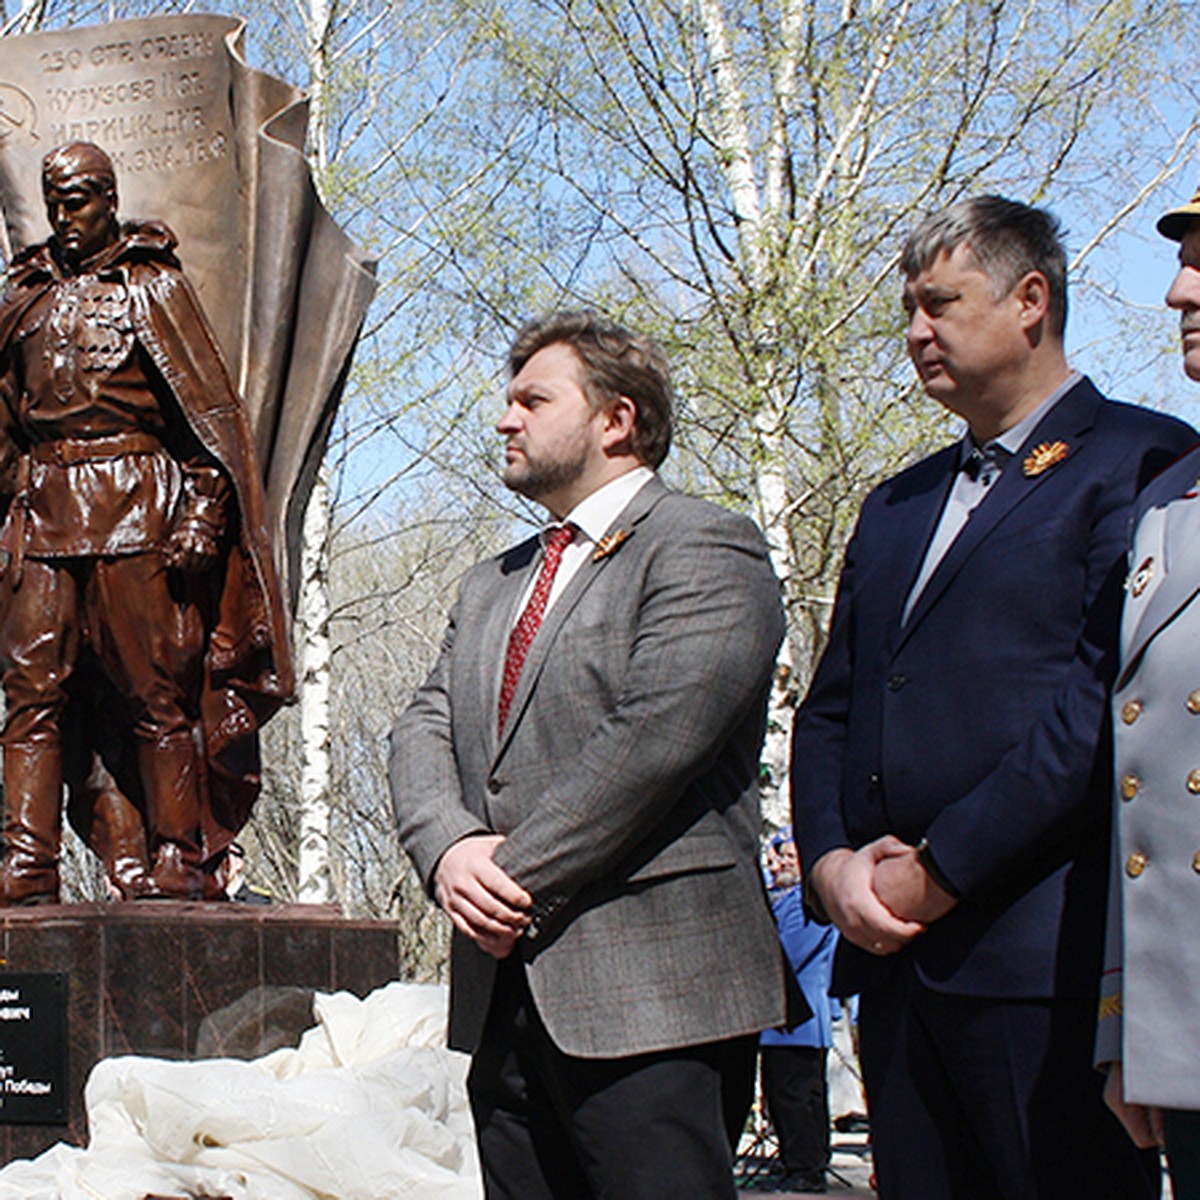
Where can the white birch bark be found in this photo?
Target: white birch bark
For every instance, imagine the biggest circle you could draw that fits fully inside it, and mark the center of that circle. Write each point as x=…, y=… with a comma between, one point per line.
x=28, y=19
x=315, y=873
x=316, y=883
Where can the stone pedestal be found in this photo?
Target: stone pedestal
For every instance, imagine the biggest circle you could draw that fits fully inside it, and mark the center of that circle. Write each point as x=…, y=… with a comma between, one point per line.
x=143, y=977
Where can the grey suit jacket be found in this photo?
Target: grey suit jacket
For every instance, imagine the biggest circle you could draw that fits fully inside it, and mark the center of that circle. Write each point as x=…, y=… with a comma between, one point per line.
x=1150, y=998
x=626, y=781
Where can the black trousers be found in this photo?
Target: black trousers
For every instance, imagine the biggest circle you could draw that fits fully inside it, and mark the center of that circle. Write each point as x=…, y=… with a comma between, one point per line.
x=797, y=1099
x=1182, y=1129
x=551, y=1126
x=974, y=1098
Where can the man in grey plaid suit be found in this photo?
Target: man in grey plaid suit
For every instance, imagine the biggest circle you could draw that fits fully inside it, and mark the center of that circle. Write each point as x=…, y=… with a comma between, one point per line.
x=584, y=803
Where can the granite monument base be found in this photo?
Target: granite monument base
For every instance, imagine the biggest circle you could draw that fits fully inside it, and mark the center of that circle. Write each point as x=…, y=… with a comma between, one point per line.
x=158, y=977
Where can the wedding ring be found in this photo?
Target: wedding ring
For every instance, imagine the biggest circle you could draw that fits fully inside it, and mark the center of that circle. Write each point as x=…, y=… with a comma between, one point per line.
x=878, y=947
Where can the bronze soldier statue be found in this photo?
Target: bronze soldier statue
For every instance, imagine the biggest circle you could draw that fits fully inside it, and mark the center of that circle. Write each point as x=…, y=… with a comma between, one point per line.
x=142, y=635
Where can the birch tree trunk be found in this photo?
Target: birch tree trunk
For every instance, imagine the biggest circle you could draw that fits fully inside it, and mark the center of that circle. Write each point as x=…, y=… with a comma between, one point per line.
x=316, y=884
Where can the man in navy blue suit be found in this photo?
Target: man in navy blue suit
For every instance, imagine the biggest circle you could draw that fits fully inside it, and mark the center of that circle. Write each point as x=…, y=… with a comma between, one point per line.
x=952, y=757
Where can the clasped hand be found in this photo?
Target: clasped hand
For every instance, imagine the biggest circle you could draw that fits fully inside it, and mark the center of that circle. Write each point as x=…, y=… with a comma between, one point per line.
x=880, y=896
x=480, y=898
x=190, y=550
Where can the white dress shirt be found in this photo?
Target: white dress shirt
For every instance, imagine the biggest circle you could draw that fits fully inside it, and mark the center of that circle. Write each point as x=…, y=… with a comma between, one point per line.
x=971, y=485
x=592, y=517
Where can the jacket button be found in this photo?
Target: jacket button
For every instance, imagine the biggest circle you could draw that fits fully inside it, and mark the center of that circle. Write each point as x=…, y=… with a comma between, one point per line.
x=1193, y=703
x=1196, y=862
x=1135, y=864
x=874, y=779
x=1193, y=781
x=493, y=786
x=1129, y=786
x=1130, y=711
x=896, y=682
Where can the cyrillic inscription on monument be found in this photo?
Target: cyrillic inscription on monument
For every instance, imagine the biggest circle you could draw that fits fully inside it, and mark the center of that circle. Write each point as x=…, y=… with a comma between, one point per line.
x=151, y=101
x=33, y=1049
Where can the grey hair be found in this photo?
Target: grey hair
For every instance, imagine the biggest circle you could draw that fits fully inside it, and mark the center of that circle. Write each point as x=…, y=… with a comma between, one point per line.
x=1008, y=240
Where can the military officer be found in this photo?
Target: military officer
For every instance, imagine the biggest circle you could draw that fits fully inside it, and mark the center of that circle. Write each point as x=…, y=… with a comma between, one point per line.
x=1149, y=1037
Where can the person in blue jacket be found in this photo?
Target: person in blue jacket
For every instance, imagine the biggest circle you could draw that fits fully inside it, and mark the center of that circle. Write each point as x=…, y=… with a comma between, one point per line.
x=793, y=1061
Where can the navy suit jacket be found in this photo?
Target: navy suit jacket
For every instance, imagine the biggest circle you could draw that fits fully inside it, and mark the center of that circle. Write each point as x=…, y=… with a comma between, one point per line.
x=981, y=722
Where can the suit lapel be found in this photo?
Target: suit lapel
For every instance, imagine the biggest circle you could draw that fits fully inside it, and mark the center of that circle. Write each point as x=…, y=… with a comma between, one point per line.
x=888, y=552
x=592, y=568
x=1166, y=561
x=923, y=499
x=1068, y=422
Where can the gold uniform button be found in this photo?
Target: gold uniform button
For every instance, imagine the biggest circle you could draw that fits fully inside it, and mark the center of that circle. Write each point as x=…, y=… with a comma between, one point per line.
x=1130, y=711
x=1135, y=864
x=1129, y=786
x=1193, y=781
x=1193, y=703
x=1196, y=862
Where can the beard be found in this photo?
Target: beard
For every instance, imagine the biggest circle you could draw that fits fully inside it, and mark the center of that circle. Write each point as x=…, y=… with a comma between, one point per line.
x=536, y=475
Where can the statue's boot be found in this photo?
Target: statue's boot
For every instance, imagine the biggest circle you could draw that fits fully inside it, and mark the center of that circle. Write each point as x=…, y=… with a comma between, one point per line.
x=32, y=824
x=171, y=778
x=118, y=833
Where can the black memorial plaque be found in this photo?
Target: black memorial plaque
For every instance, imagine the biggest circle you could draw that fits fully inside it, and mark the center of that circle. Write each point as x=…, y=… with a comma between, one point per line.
x=33, y=1049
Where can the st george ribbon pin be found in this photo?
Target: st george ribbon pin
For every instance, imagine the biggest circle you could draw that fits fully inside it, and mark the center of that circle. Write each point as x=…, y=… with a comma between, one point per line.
x=609, y=543
x=1042, y=457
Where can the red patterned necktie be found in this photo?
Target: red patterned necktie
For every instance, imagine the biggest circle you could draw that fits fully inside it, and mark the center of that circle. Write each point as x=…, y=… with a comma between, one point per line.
x=530, y=619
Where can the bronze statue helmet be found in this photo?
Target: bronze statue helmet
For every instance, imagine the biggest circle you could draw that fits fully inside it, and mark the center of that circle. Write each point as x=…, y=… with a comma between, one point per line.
x=80, y=163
